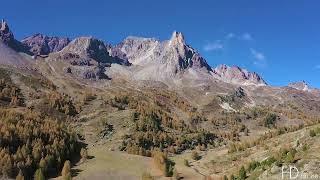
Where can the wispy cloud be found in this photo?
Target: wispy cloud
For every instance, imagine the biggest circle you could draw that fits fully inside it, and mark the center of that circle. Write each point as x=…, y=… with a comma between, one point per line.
x=213, y=46
x=257, y=55
x=317, y=66
x=230, y=36
x=260, y=58
x=218, y=45
x=246, y=37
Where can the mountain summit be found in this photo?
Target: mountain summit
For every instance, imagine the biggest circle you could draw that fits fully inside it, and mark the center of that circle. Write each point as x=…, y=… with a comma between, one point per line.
x=173, y=53
x=89, y=47
x=238, y=75
x=161, y=60
x=301, y=85
x=177, y=39
x=40, y=44
x=187, y=57
x=7, y=37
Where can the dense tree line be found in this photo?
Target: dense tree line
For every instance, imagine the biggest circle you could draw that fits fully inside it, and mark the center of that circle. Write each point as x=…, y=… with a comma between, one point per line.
x=37, y=82
x=156, y=129
x=157, y=126
x=62, y=103
x=32, y=144
x=163, y=163
x=29, y=142
x=9, y=93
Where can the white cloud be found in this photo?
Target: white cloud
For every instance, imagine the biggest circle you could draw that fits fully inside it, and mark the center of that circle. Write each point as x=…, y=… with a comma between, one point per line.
x=230, y=36
x=246, y=37
x=260, y=58
x=213, y=46
x=257, y=55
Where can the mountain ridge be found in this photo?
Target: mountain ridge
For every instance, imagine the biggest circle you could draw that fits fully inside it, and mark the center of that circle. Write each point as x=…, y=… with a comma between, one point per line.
x=39, y=44
x=171, y=57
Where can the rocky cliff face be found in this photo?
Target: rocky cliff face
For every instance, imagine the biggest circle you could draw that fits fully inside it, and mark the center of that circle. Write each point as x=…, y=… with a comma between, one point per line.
x=37, y=44
x=305, y=87
x=88, y=47
x=302, y=85
x=171, y=57
x=165, y=61
x=7, y=37
x=174, y=53
x=135, y=49
x=40, y=44
x=186, y=56
x=237, y=75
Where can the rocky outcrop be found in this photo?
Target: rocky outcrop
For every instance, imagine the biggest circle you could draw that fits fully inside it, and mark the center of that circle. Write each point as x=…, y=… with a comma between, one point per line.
x=88, y=47
x=95, y=73
x=237, y=75
x=175, y=53
x=174, y=56
x=40, y=44
x=7, y=37
x=302, y=85
x=239, y=92
x=135, y=49
x=183, y=55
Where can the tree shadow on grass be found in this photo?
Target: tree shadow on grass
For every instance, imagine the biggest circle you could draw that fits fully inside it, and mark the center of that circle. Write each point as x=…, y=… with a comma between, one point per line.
x=90, y=157
x=77, y=160
x=75, y=172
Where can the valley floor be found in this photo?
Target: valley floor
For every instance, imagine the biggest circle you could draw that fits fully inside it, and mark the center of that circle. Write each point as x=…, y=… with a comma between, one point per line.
x=105, y=162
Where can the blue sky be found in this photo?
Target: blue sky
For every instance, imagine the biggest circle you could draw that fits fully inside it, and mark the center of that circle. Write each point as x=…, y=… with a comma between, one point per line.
x=278, y=39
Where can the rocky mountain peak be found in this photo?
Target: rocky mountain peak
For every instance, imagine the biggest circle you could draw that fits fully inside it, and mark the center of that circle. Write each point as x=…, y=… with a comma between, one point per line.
x=88, y=47
x=4, y=26
x=173, y=55
x=177, y=38
x=135, y=49
x=6, y=36
x=238, y=75
x=182, y=55
x=301, y=85
x=43, y=45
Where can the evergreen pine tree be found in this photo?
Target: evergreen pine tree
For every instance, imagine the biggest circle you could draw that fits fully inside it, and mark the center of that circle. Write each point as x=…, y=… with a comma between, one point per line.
x=38, y=175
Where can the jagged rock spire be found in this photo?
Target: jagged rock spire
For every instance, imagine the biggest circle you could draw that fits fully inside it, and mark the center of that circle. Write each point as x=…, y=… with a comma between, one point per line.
x=4, y=28
x=6, y=35
x=3, y=25
x=177, y=38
